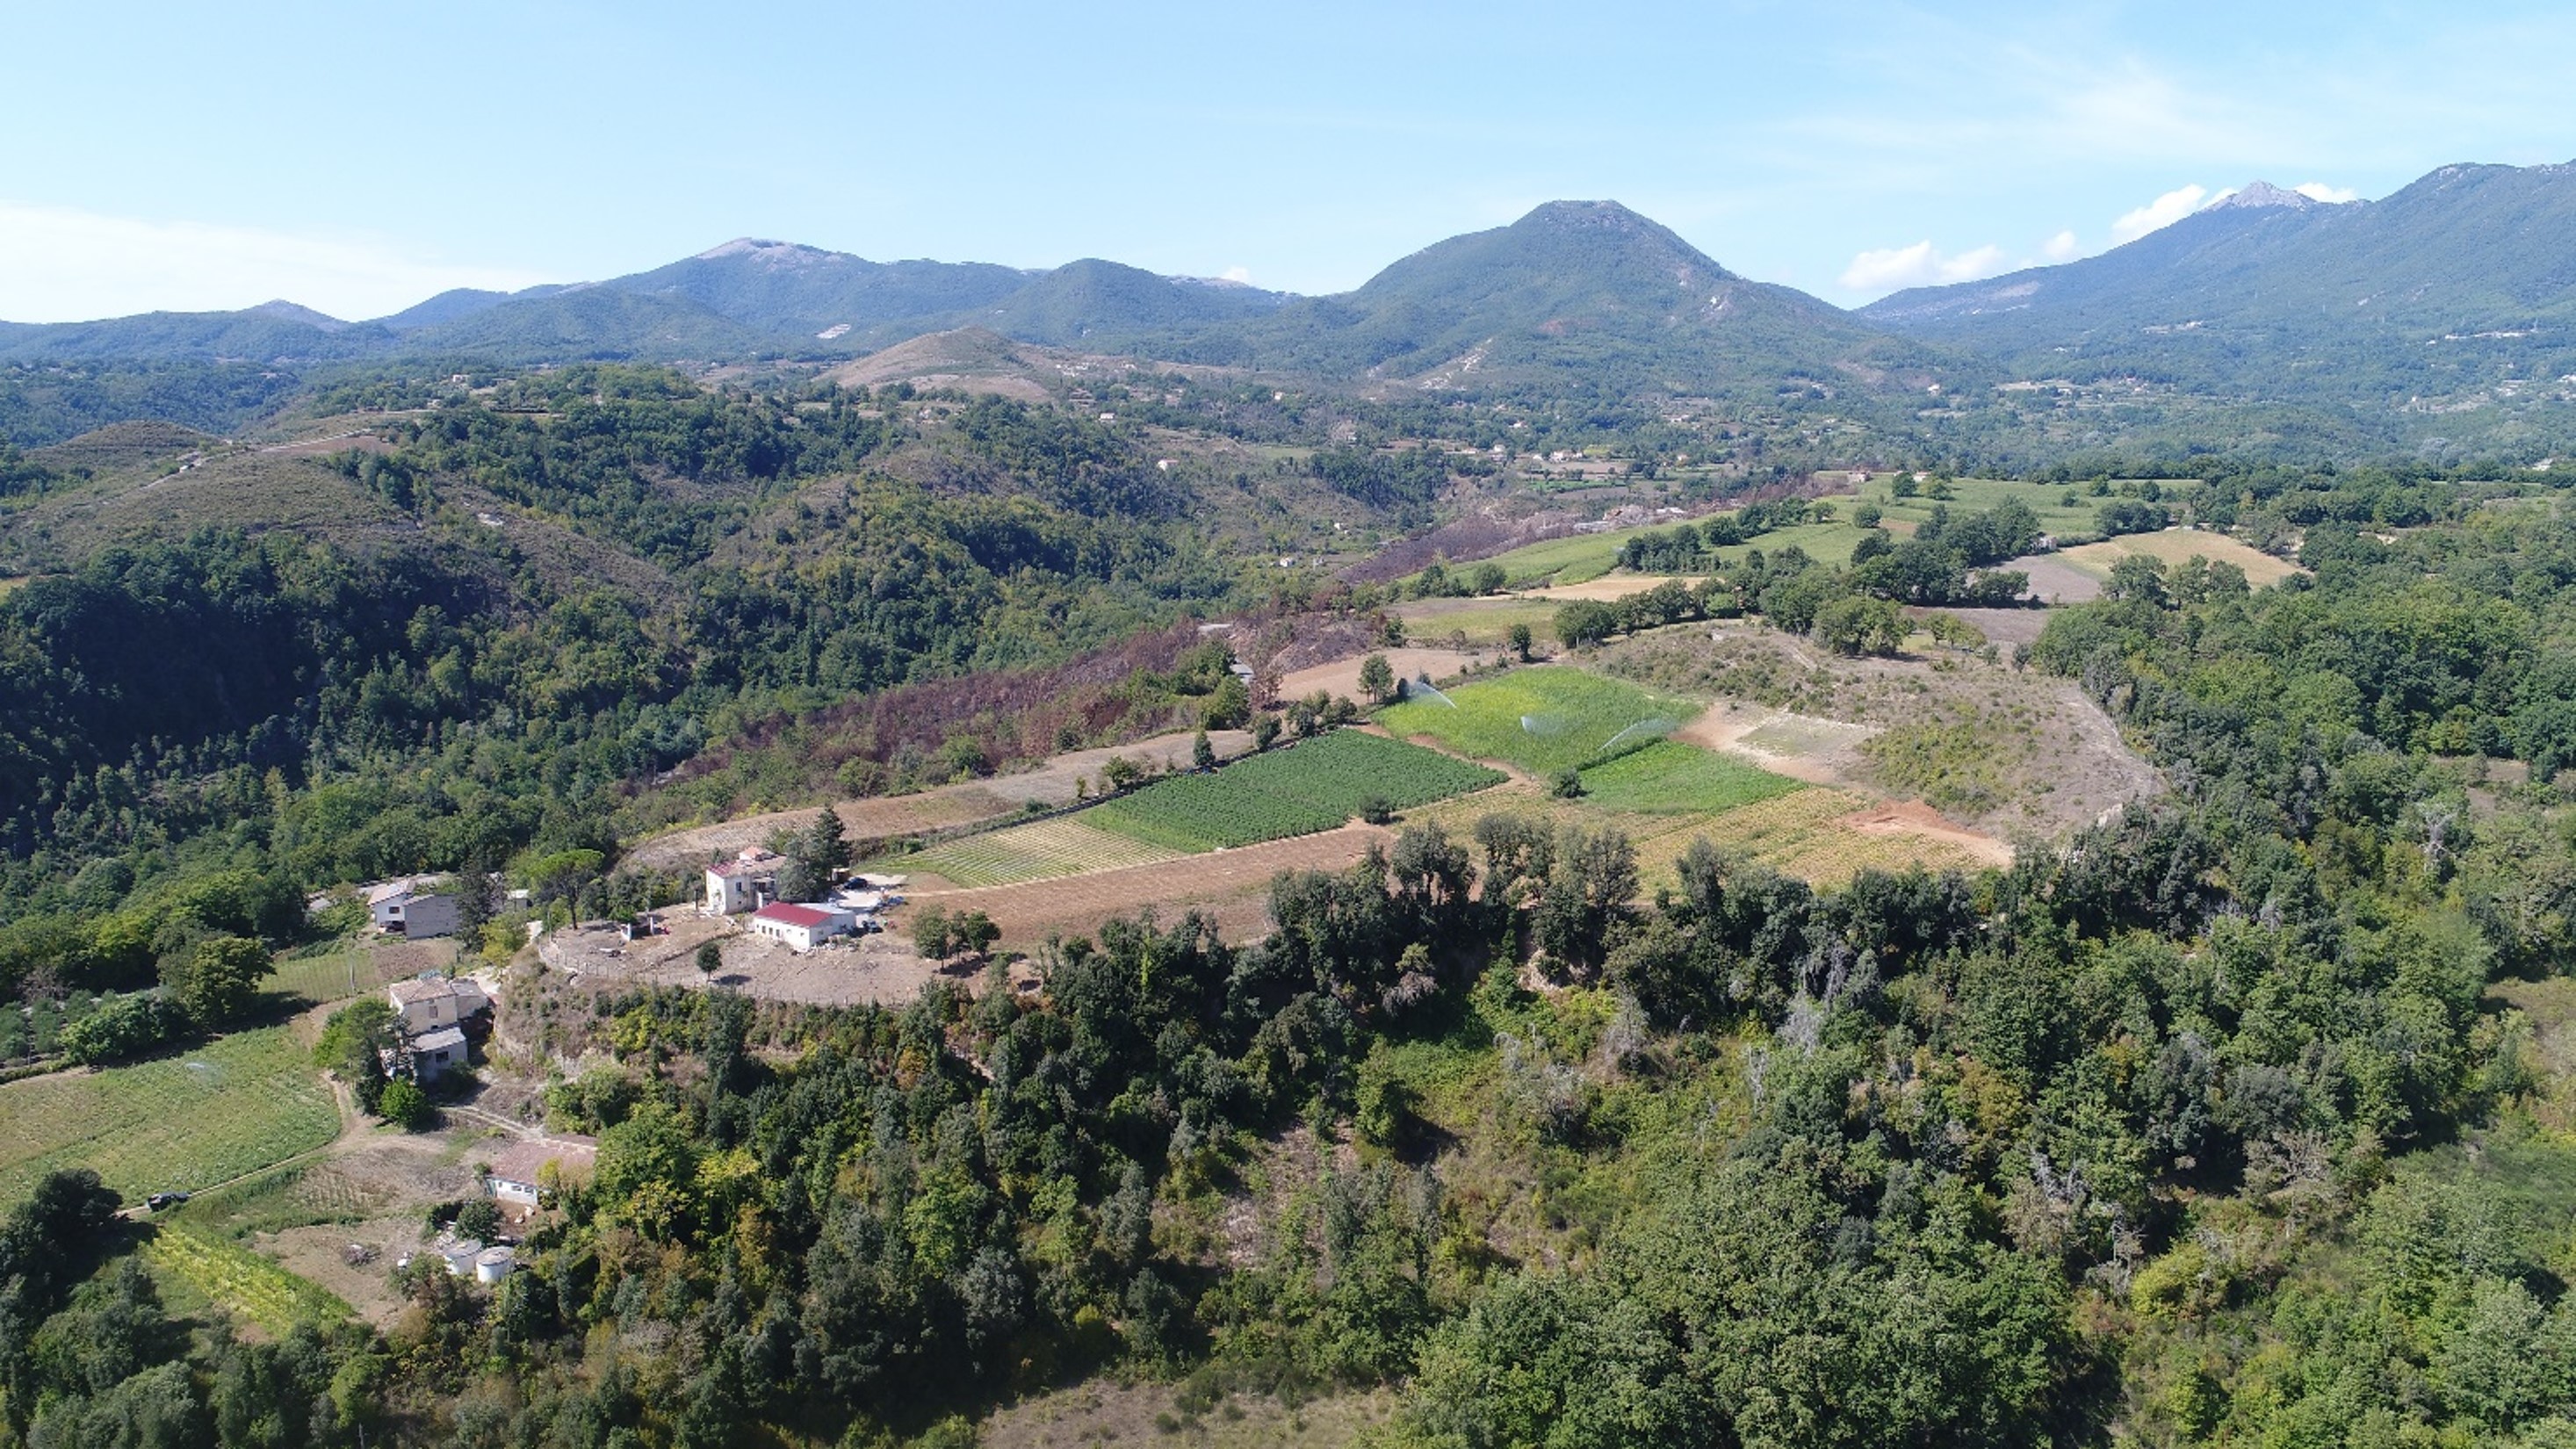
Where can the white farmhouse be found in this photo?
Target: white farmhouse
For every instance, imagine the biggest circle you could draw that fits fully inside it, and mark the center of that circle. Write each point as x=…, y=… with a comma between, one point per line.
x=744, y=883
x=404, y=908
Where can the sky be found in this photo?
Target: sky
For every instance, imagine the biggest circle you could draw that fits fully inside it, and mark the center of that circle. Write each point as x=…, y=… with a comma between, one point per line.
x=359, y=159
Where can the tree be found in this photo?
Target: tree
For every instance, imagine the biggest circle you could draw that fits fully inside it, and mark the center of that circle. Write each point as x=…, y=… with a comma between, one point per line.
x=1521, y=641
x=1202, y=752
x=710, y=959
x=827, y=844
x=1265, y=731
x=1490, y=579
x=405, y=1105
x=1857, y=625
x=1586, y=622
x=353, y=1044
x=1228, y=706
x=1377, y=679
x=932, y=935
x=221, y=979
x=973, y=932
x=1866, y=515
x=2137, y=578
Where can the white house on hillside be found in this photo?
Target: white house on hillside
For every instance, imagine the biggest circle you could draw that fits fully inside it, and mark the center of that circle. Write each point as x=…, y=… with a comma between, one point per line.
x=403, y=908
x=746, y=882
x=431, y=1014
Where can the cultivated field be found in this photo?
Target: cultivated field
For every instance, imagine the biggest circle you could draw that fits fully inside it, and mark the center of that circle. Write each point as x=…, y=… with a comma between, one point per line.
x=207, y=1269
x=1544, y=719
x=1484, y=623
x=1672, y=778
x=944, y=807
x=1313, y=786
x=358, y=970
x=2175, y=545
x=183, y=1121
x=1066, y=845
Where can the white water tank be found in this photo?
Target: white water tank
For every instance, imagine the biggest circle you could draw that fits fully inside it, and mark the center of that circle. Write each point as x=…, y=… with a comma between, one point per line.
x=492, y=1265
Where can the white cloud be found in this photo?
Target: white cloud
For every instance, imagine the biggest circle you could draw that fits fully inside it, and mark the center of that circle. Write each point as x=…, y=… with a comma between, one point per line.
x=62, y=265
x=2060, y=248
x=1891, y=268
x=1236, y=274
x=2331, y=195
x=2162, y=212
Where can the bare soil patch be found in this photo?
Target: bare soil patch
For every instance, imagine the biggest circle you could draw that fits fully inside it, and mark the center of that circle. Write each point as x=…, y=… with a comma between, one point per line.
x=1914, y=818
x=1605, y=589
x=943, y=807
x=1818, y=751
x=1342, y=676
x=2056, y=581
x=2004, y=628
x=1231, y=885
x=1107, y=1412
x=881, y=968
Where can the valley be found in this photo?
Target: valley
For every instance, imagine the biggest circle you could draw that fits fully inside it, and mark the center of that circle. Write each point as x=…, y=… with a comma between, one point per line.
x=1563, y=847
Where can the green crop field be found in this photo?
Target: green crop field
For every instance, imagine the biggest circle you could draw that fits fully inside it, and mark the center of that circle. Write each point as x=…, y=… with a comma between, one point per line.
x=235, y=1278
x=233, y=1105
x=1192, y=813
x=1670, y=778
x=1315, y=785
x=1066, y=845
x=1544, y=719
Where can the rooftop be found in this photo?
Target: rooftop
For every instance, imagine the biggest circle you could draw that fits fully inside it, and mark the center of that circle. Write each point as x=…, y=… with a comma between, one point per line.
x=785, y=914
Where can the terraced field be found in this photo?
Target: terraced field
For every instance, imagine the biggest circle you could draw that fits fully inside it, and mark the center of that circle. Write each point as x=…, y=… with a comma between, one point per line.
x=231, y=1106
x=1066, y=845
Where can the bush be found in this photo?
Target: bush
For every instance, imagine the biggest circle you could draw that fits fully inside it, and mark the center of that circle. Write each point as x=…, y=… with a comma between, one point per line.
x=405, y=1105
x=122, y=1027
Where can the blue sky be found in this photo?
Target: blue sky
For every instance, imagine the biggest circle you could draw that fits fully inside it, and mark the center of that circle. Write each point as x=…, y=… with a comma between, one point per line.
x=360, y=158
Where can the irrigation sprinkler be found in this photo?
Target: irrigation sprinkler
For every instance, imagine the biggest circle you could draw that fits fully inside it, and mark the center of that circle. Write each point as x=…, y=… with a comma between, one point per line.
x=1656, y=724
x=1425, y=686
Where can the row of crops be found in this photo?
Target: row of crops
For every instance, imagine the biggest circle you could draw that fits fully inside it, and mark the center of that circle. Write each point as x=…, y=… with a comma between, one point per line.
x=1316, y=785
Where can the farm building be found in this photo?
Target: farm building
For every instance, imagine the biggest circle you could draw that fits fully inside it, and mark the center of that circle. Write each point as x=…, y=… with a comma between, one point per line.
x=802, y=928
x=434, y=1001
x=432, y=1014
x=407, y=908
x=744, y=883
x=520, y=1174
x=430, y=1055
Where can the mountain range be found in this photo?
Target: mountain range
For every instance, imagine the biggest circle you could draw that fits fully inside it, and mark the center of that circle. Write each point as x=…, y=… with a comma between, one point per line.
x=2462, y=283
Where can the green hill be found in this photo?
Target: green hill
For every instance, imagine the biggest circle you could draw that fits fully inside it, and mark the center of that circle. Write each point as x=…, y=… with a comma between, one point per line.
x=1587, y=292
x=2462, y=281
